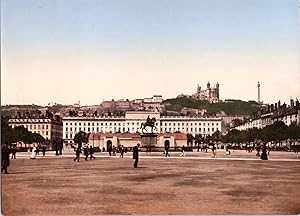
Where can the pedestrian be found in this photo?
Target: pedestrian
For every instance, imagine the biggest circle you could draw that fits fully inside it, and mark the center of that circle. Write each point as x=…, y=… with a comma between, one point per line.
x=91, y=152
x=37, y=150
x=33, y=153
x=13, y=152
x=214, y=151
x=258, y=151
x=78, y=151
x=135, y=151
x=5, y=151
x=44, y=150
x=122, y=150
x=264, y=155
x=167, y=150
x=86, y=152
x=182, y=152
x=109, y=150
x=227, y=150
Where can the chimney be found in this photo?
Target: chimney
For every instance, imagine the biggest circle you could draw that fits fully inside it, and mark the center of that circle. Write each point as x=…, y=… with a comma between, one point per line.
x=272, y=107
x=292, y=103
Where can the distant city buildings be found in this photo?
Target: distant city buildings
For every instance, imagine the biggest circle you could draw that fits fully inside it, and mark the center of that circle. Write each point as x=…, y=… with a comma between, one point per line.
x=275, y=112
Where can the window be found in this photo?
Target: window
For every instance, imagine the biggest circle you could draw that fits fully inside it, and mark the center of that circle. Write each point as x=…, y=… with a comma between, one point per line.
x=88, y=124
x=75, y=124
x=70, y=129
x=46, y=133
x=207, y=124
x=212, y=124
x=66, y=123
x=93, y=124
x=79, y=123
x=212, y=129
x=43, y=127
x=66, y=129
x=66, y=135
x=208, y=129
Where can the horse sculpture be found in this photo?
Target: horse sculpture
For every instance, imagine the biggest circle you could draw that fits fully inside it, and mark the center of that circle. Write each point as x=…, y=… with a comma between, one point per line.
x=149, y=123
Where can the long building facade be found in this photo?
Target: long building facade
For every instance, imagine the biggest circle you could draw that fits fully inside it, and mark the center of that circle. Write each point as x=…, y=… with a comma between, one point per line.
x=288, y=115
x=132, y=121
x=51, y=129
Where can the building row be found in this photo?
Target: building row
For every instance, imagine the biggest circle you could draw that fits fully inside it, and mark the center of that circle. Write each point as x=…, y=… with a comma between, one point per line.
x=116, y=128
x=133, y=120
x=287, y=114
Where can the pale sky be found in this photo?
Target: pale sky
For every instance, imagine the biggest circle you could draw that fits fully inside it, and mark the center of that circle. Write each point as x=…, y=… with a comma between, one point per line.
x=66, y=51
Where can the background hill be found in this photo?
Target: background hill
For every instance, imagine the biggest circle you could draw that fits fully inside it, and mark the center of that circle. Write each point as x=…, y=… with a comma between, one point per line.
x=230, y=107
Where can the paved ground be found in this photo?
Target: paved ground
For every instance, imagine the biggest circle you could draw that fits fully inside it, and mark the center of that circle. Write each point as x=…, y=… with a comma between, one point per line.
x=235, y=184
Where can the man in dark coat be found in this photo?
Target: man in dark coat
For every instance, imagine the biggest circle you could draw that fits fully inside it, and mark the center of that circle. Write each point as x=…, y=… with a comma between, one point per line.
x=91, y=152
x=136, y=155
x=4, y=158
x=78, y=151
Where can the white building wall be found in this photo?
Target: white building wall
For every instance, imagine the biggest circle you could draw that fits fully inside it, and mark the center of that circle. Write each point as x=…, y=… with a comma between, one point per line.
x=132, y=123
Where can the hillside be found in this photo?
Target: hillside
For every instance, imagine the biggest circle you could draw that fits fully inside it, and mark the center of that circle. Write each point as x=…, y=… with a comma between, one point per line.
x=230, y=107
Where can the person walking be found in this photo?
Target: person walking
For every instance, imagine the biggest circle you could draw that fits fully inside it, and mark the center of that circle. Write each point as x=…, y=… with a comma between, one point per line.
x=5, y=151
x=122, y=150
x=13, y=152
x=44, y=150
x=264, y=155
x=86, y=152
x=182, y=152
x=78, y=151
x=109, y=150
x=167, y=150
x=258, y=150
x=214, y=151
x=135, y=151
x=91, y=152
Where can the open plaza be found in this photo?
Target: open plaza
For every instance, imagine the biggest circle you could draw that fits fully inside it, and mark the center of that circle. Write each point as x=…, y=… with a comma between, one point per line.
x=239, y=183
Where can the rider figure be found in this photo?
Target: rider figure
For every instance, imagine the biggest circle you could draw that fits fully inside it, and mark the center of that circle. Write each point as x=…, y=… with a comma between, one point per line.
x=148, y=119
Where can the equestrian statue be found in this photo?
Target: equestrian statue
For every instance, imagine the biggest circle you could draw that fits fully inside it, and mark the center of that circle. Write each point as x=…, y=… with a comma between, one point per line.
x=149, y=123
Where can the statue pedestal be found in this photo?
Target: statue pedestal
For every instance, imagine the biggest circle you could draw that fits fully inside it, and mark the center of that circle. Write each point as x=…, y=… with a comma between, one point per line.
x=149, y=140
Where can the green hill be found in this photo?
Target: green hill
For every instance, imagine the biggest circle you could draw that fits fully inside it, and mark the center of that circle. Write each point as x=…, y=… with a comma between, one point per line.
x=230, y=107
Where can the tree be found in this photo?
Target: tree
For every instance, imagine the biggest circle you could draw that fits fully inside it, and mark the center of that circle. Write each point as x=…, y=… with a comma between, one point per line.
x=190, y=138
x=81, y=137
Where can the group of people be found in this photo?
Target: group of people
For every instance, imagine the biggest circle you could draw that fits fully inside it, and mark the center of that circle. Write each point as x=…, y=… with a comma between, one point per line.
x=87, y=151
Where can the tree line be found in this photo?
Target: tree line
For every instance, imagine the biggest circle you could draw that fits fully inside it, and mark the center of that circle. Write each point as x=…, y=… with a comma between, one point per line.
x=11, y=135
x=275, y=133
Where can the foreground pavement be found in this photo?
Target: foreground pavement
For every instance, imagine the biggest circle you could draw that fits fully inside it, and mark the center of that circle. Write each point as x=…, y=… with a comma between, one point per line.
x=239, y=183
